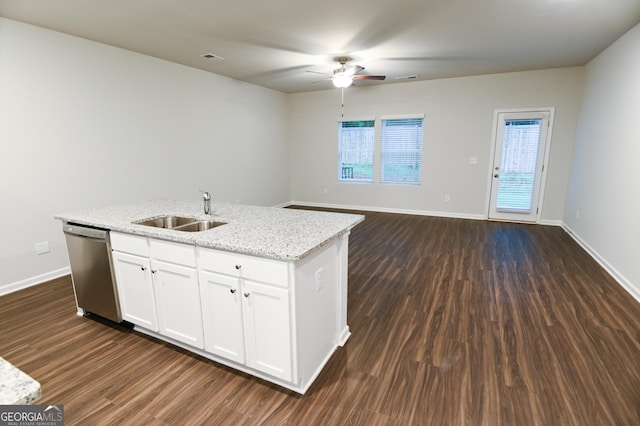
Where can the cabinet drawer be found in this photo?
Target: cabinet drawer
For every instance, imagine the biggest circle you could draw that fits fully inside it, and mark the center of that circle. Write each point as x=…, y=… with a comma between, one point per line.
x=166, y=251
x=250, y=267
x=127, y=243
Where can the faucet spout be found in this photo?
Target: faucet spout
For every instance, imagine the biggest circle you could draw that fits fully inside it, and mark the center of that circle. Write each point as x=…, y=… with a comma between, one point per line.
x=206, y=197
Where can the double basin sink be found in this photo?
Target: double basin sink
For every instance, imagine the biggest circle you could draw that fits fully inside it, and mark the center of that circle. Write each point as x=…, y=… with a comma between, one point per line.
x=180, y=223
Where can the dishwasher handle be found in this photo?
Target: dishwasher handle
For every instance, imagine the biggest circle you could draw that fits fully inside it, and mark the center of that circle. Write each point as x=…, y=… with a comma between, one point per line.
x=84, y=231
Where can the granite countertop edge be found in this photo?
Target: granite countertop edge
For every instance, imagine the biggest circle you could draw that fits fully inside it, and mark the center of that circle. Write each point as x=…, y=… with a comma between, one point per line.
x=268, y=232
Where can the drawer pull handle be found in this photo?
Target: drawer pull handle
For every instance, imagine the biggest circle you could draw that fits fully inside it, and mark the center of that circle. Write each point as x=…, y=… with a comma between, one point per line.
x=247, y=294
x=232, y=291
x=238, y=267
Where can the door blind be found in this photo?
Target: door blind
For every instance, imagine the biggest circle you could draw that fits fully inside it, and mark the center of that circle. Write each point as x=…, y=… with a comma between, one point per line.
x=518, y=165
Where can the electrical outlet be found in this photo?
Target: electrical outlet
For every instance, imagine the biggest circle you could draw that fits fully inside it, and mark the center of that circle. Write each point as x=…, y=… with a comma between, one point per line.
x=43, y=247
x=577, y=214
x=473, y=160
x=447, y=198
x=325, y=191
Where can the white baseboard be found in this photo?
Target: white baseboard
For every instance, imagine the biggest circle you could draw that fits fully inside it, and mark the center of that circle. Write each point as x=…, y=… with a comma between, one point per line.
x=344, y=336
x=287, y=204
x=38, y=279
x=615, y=274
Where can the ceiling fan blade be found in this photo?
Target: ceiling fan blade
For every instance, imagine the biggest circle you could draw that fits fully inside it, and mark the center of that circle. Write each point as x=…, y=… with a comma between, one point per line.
x=318, y=72
x=369, y=77
x=353, y=70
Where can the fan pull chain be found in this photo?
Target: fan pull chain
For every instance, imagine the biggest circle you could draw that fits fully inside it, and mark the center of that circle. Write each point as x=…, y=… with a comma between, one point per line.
x=342, y=105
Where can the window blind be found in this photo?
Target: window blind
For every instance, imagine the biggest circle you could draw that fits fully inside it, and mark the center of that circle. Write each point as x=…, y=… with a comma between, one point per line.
x=401, y=150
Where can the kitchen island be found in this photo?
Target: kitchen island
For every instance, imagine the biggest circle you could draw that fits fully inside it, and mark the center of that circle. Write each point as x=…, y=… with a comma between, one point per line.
x=265, y=293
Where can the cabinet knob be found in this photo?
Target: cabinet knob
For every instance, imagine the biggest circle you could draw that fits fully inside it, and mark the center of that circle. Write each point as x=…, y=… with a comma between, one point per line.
x=232, y=291
x=143, y=268
x=153, y=272
x=238, y=267
x=247, y=294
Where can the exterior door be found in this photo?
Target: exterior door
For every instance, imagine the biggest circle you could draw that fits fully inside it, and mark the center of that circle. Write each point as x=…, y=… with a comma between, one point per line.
x=518, y=165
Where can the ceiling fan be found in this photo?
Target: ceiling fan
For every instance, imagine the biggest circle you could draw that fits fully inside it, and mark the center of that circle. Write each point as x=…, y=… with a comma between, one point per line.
x=344, y=76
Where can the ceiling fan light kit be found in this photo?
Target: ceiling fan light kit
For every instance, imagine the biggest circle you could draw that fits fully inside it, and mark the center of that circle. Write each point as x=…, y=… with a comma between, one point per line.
x=344, y=76
x=342, y=81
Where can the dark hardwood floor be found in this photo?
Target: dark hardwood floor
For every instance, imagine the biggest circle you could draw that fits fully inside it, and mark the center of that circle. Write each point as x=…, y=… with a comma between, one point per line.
x=454, y=322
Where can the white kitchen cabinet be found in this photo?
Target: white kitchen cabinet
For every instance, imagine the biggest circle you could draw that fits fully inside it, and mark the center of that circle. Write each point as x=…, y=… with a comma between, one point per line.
x=178, y=302
x=222, y=315
x=247, y=321
x=156, y=292
x=267, y=326
x=135, y=289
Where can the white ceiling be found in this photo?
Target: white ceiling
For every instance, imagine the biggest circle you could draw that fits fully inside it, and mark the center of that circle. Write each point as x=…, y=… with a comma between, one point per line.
x=272, y=43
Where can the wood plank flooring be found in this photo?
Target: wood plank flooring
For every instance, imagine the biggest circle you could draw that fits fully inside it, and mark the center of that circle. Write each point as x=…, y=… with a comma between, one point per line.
x=454, y=322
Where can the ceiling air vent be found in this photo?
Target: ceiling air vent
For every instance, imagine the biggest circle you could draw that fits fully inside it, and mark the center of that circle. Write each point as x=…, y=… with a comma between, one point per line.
x=212, y=57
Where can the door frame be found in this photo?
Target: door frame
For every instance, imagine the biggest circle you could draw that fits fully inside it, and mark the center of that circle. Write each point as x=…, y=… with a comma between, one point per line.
x=547, y=151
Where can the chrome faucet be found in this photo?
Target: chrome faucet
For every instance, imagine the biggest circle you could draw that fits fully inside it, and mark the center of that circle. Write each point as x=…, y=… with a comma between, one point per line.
x=206, y=197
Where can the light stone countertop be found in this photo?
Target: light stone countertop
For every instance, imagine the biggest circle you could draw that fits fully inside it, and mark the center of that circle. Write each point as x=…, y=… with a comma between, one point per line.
x=17, y=387
x=271, y=232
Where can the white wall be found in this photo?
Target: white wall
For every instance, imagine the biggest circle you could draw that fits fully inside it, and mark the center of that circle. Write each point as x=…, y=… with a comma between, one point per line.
x=458, y=125
x=84, y=124
x=605, y=178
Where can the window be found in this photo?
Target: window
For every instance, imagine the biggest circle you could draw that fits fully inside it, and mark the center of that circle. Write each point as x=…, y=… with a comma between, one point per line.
x=356, y=140
x=401, y=150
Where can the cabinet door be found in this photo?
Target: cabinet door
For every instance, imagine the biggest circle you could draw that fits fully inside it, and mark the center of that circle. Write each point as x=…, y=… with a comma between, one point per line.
x=178, y=302
x=267, y=328
x=222, y=315
x=135, y=289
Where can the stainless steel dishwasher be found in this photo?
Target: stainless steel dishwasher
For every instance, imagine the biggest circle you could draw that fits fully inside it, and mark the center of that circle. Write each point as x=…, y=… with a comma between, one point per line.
x=91, y=270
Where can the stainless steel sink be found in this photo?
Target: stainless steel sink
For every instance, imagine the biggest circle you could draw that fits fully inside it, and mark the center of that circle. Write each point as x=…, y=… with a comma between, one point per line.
x=180, y=223
x=201, y=225
x=168, y=222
